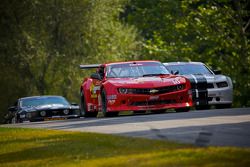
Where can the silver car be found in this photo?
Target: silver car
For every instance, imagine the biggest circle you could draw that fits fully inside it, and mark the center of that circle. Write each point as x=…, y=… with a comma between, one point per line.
x=208, y=87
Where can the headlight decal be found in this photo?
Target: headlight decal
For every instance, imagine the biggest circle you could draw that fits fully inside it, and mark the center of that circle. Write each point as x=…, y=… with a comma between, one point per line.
x=222, y=84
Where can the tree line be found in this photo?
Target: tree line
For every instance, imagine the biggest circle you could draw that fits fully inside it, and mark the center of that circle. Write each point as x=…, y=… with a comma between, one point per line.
x=42, y=43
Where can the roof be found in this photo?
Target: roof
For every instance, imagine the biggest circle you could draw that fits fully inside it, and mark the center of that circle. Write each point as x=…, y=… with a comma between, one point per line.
x=89, y=66
x=182, y=63
x=29, y=97
x=128, y=62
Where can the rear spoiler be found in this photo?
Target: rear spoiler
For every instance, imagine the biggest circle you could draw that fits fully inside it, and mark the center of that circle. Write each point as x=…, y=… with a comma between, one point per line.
x=90, y=66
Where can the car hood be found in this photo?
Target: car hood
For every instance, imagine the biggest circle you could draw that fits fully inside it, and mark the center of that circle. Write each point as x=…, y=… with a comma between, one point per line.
x=46, y=107
x=209, y=78
x=146, y=82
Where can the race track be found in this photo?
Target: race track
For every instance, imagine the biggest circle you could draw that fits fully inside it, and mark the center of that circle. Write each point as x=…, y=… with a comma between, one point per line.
x=224, y=127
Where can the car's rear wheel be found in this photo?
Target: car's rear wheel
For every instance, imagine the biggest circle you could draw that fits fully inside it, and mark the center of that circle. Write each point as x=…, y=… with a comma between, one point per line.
x=221, y=106
x=104, y=106
x=184, y=109
x=83, y=108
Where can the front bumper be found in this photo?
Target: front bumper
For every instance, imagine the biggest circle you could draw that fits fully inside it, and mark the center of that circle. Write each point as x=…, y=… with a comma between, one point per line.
x=220, y=96
x=39, y=118
x=135, y=102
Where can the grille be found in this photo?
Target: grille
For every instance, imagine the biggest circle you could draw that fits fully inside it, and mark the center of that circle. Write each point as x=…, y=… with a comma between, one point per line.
x=210, y=85
x=202, y=85
x=153, y=102
x=210, y=98
x=50, y=113
x=161, y=90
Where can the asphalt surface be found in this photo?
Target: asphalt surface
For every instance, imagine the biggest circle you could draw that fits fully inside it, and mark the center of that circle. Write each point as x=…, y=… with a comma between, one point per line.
x=224, y=127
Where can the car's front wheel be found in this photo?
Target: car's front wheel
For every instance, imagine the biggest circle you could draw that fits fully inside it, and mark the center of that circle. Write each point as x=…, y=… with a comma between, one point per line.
x=202, y=107
x=83, y=107
x=221, y=106
x=185, y=109
x=104, y=106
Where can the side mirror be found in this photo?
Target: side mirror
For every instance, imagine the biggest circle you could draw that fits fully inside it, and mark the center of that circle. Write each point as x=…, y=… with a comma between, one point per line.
x=96, y=76
x=12, y=109
x=217, y=72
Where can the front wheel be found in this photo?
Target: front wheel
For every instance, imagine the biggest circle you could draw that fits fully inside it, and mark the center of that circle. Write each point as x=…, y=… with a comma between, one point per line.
x=221, y=106
x=185, y=109
x=104, y=106
x=202, y=107
x=83, y=108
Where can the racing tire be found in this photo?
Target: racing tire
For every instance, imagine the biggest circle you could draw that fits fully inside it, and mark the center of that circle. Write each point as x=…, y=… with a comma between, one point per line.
x=158, y=111
x=14, y=120
x=83, y=108
x=104, y=106
x=139, y=112
x=222, y=106
x=185, y=109
x=202, y=107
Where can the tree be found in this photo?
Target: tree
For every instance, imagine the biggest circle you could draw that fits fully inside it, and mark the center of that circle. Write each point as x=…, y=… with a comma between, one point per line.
x=42, y=44
x=208, y=31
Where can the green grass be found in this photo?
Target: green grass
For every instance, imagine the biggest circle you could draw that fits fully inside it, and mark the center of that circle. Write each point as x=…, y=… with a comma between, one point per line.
x=32, y=147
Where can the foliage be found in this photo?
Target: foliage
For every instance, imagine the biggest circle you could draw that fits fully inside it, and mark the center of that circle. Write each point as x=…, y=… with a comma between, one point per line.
x=216, y=33
x=30, y=147
x=43, y=42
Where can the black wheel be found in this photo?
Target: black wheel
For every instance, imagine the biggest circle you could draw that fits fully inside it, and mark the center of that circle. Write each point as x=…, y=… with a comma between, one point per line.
x=221, y=106
x=202, y=107
x=104, y=106
x=14, y=120
x=185, y=109
x=158, y=111
x=83, y=108
x=139, y=112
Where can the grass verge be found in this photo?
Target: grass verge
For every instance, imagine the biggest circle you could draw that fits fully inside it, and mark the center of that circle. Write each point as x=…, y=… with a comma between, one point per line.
x=37, y=147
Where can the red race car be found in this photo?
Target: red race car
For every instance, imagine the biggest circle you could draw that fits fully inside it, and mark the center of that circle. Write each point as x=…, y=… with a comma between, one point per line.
x=133, y=86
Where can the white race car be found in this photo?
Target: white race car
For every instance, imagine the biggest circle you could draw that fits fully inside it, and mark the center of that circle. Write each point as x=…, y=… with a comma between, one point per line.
x=208, y=87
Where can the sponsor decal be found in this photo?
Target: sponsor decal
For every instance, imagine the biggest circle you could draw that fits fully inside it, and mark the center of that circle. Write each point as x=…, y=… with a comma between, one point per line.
x=111, y=102
x=147, y=79
x=93, y=90
x=175, y=81
x=131, y=65
x=153, y=97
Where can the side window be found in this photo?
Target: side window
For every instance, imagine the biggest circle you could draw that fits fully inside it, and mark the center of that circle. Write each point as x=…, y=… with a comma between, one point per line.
x=101, y=72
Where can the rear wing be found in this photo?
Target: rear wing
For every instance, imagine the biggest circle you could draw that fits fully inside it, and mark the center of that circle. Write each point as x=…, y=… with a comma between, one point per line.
x=90, y=66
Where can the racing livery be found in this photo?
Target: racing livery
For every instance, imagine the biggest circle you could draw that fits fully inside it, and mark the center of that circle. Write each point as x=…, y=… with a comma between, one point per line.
x=208, y=87
x=133, y=86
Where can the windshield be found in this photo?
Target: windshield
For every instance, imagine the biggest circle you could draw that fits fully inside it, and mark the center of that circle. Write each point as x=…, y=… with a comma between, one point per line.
x=40, y=101
x=134, y=70
x=185, y=69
